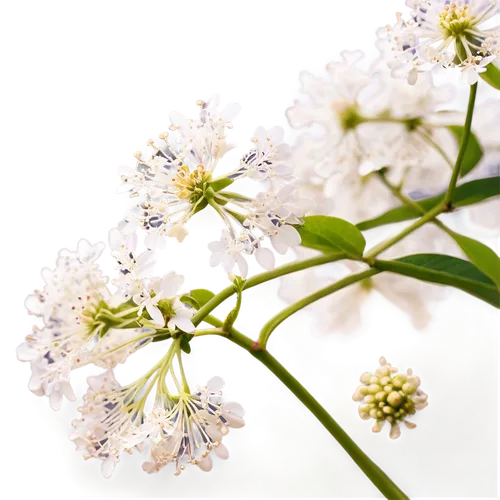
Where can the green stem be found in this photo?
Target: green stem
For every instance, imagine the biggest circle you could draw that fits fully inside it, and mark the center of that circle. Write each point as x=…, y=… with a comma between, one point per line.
x=411, y=203
x=275, y=321
x=262, y=278
x=234, y=196
x=377, y=249
x=374, y=473
x=216, y=301
x=208, y=331
x=463, y=147
x=292, y=267
x=436, y=146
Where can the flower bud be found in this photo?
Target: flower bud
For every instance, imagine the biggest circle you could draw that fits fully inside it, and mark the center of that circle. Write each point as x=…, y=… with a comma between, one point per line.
x=394, y=399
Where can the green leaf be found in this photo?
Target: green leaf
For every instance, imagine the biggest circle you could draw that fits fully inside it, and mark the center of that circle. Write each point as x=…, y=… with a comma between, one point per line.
x=330, y=234
x=201, y=294
x=445, y=270
x=474, y=151
x=221, y=184
x=185, y=346
x=465, y=194
x=481, y=255
x=492, y=75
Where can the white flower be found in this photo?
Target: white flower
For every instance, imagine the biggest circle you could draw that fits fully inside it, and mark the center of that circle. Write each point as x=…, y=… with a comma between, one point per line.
x=177, y=181
x=227, y=252
x=106, y=422
x=389, y=397
x=368, y=121
x=342, y=310
x=133, y=270
x=163, y=292
x=441, y=34
x=131, y=340
x=73, y=295
x=194, y=427
x=269, y=157
x=473, y=68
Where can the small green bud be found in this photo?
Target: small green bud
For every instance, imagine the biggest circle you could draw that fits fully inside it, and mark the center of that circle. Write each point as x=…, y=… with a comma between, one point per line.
x=399, y=380
x=394, y=399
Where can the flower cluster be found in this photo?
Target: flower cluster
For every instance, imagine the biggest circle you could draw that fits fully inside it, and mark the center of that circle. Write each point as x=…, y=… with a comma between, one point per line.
x=442, y=34
x=177, y=181
x=182, y=429
x=389, y=397
x=84, y=322
x=369, y=121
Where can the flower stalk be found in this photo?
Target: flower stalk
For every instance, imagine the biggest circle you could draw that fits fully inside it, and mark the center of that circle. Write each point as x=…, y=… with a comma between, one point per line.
x=374, y=473
x=275, y=321
x=462, y=149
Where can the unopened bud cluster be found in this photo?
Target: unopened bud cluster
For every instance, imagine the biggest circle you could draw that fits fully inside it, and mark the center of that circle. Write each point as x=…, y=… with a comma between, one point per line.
x=389, y=395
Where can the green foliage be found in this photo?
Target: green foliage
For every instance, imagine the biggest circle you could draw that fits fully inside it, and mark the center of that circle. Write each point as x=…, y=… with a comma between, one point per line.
x=221, y=184
x=481, y=255
x=473, y=152
x=197, y=298
x=465, y=194
x=492, y=75
x=445, y=270
x=331, y=235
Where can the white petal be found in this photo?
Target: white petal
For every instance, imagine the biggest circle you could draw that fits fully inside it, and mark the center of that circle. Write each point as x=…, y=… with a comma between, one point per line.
x=215, y=384
x=25, y=352
x=155, y=313
x=215, y=259
x=184, y=323
x=184, y=312
x=290, y=235
x=205, y=464
x=233, y=408
x=265, y=258
x=115, y=239
x=171, y=284
x=67, y=391
x=214, y=432
x=34, y=304
x=280, y=246
x=234, y=421
x=222, y=452
x=145, y=263
x=439, y=70
x=55, y=400
x=242, y=265
x=88, y=252
x=108, y=466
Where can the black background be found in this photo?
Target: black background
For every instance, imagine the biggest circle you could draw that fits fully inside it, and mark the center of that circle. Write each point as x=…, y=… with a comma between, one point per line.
x=79, y=103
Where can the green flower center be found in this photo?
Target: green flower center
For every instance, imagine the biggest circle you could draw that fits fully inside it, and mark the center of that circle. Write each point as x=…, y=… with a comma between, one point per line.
x=454, y=20
x=191, y=185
